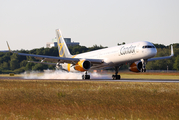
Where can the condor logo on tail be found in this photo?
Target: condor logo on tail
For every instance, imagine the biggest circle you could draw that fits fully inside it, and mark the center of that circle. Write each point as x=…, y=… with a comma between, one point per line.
x=60, y=46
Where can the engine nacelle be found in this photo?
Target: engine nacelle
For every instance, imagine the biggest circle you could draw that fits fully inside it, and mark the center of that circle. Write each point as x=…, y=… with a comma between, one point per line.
x=136, y=66
x=83, y=65
x=58, y=66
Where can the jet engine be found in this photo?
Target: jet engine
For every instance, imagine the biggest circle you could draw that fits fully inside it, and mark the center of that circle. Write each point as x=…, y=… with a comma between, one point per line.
x=136, y=66
x=58, y=66
x=83, y=65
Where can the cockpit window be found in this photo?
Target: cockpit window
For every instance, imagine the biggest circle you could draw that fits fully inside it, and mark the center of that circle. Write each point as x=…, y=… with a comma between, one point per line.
x=148, y=46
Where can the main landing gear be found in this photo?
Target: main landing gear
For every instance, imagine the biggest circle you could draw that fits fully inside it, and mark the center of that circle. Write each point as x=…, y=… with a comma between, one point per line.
x=144, y=62
x=116, y=76
x=85, y=76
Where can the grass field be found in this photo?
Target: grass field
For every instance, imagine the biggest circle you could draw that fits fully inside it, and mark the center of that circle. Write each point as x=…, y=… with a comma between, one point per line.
x=51, y=99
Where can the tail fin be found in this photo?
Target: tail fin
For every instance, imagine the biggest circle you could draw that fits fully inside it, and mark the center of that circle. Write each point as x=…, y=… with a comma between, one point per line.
x=62, y=47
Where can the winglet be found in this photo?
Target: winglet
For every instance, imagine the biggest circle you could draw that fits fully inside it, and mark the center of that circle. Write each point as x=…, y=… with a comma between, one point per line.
x=172, y=54
x=8, y=47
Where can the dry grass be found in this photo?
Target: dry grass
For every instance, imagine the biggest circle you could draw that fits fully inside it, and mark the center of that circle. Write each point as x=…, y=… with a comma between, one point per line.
x=173, y=76
x=50, y=99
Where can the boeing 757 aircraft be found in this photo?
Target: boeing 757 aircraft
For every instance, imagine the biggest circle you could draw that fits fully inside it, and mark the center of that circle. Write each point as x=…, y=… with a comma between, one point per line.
x=137, y=54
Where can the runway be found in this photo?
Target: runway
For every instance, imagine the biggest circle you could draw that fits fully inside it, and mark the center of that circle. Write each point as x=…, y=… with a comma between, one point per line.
x=105, y=80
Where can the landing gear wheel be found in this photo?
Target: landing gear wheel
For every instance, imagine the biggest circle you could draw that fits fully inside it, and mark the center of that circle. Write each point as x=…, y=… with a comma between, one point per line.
x=116, y=77
x=84, y=77
x=143, y=70
x=144, y=62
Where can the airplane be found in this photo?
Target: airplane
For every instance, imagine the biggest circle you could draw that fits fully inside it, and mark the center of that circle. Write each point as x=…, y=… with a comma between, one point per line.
x=136, y=54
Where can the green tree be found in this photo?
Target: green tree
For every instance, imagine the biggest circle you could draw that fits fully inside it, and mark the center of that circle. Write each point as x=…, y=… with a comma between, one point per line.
x=19, y=70
x=54, y=51
x=39, y=67
x=6, y=57
x=5, y=65
x=29, y=66
x=176, y=64
x=23, y=63
x=14, y=63
x=160, y=46
x=123, y=43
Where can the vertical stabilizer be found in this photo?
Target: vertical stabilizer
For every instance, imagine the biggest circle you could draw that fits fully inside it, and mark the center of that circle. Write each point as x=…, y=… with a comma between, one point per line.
x=62, y=47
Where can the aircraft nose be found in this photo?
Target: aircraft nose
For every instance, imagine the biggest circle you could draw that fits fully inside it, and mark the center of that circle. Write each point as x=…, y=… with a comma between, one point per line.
x=154, y=51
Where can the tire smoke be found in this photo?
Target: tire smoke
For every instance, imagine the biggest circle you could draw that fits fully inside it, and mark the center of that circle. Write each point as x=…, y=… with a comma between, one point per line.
x=58, y=74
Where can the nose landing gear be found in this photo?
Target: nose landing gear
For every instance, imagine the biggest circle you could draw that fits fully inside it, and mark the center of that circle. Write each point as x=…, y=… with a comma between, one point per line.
x=144, y=62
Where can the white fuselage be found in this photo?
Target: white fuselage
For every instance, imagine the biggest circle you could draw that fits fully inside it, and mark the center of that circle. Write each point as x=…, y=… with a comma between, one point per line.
x=116, y=56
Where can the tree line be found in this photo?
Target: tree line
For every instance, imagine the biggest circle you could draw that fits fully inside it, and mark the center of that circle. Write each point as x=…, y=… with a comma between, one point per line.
x=10, y=62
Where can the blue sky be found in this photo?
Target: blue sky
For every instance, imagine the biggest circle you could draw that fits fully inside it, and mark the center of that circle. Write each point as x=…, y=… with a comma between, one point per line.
x=29, y=24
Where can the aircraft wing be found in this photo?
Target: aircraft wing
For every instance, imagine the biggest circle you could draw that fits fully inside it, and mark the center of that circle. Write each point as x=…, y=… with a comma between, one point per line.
x=161, y=58
x=58, y=59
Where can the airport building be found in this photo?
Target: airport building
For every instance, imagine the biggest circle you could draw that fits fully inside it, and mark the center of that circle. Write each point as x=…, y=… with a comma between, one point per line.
x=67, y=40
